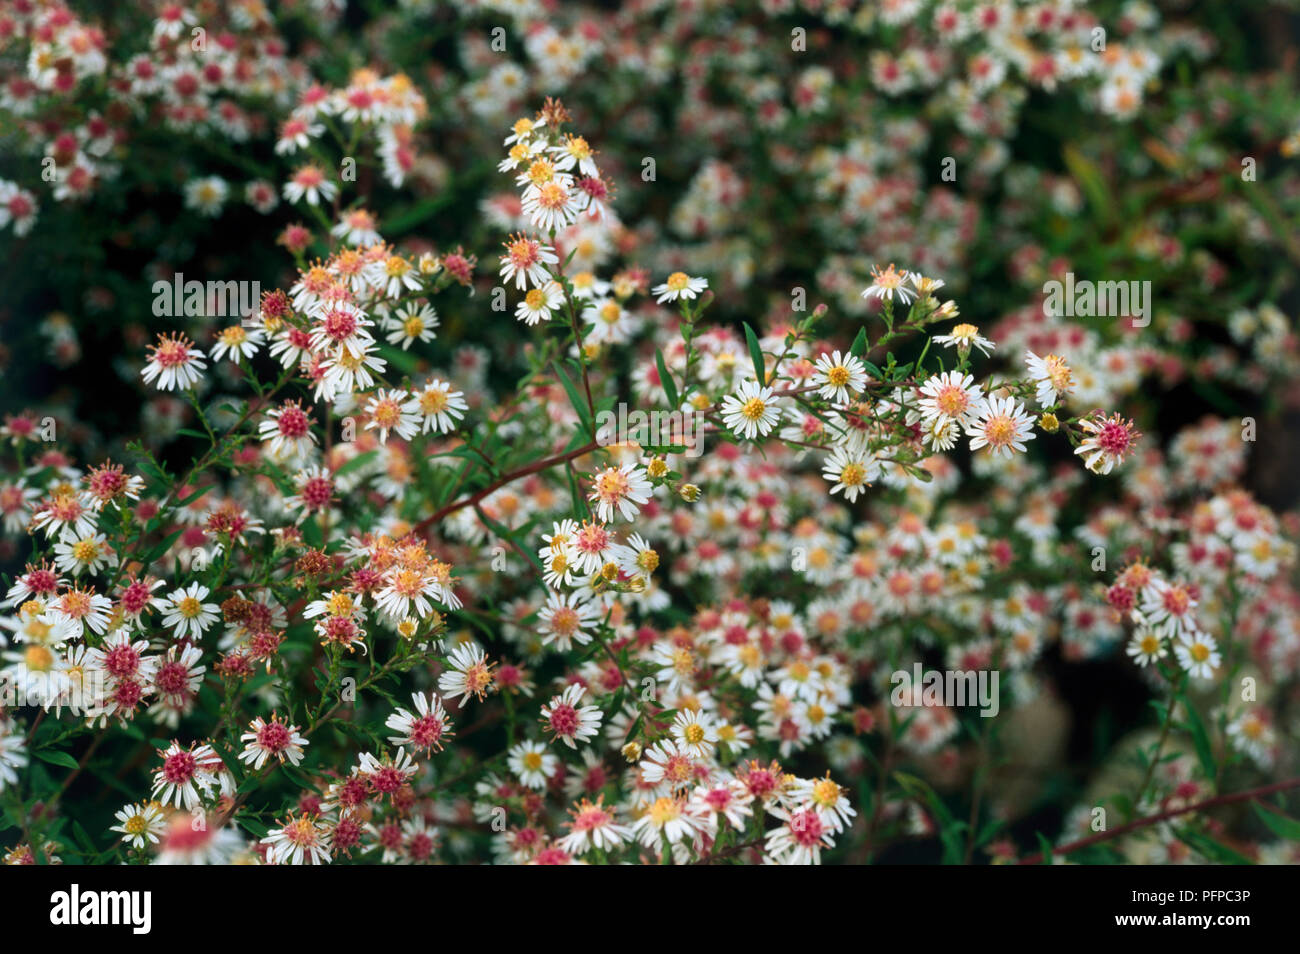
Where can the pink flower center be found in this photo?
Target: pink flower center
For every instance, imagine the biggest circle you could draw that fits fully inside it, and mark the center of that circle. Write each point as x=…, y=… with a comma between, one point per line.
x=179, y=767
x=564, y=719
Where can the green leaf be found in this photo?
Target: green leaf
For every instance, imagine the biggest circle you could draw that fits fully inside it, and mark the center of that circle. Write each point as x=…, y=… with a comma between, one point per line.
x=311, y=533
x=859, y=349
x=162, y=548
x=575, y=492
x=950, y=829
x=1090, y=181
x=58, y=758
x=1281, y=825
x=924, y=352
x=1213, y=850
x=403, y=361
x=356, y=463
x=1200, y=738
x=1044, y=847
x=576, y=399
x=666, y=380
x=756, y=354
x=89, y=851
x=194, y=495
x=635, y=728
x=253, y=826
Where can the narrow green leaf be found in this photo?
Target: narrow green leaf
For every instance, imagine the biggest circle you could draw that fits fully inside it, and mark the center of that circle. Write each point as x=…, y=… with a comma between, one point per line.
x=1281, y=825
x=859, y=349
x=1200, y=738
x=1044, y=847
x=1213, y=850
x=576, y=399
x=756, y=354
x=58, y=758
x=356, y=463
x=666, y=380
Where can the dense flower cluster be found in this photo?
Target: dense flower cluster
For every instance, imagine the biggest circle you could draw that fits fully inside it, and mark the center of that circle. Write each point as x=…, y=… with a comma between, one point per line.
x=574, y=532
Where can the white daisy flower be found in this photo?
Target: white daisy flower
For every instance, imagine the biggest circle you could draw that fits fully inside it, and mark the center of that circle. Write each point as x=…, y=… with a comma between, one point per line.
x=567, y=720
x=752, y=411
x=185, y=613
x=532, y=764
x=840, y=376
x=679, y=285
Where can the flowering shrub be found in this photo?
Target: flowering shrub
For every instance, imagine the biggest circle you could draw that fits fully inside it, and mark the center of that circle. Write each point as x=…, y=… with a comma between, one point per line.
x=678, y=433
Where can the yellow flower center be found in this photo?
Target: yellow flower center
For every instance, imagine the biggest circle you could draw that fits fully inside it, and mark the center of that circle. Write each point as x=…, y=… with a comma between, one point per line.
x=853, y=475
x=38, y=659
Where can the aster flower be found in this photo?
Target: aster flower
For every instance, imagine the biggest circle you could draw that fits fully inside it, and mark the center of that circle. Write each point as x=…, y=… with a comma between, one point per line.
x=356, y=227
x=185, y=776
x=668, y=763
x=540, y=303
x=569, y=721
x=185, y=613
x=273, y=739
x=237, y=341
x=426, y=729
x=309, y=182
x=552, y=205
x=441, y=407
x=752, y=411
x=468, y=673
x=174, y=363
x=302, y=839
x=963, y=337
x=565, y=620
x=593, y=826
x=140, y=824
x=800, y=838
x=622, y=490
x=950, y=396
x=888, y=284
x=679, y=285
x=396, y=411
x=1146, y=647
x=1198, y=653
x=1001, y=425
x=84, y=555
x=823, y=796
x=206, y=196
x=1109, y=441
x=526, y=262
x=411, y=323
x=1051, y=376
x=695, y=733
x=665, y=817
x=1168, y=608
x=840, y=376
x=532, y=764
x=849, y=471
